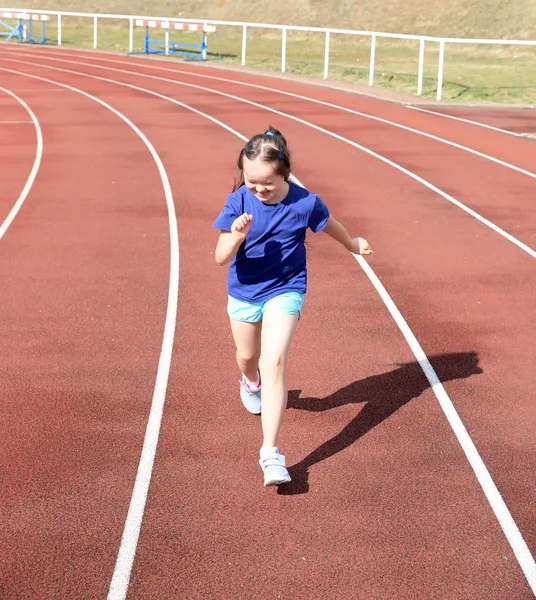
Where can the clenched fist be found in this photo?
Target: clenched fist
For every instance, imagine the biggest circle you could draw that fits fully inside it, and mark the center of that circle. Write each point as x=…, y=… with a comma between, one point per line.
x=361, y=246
x=241, y=226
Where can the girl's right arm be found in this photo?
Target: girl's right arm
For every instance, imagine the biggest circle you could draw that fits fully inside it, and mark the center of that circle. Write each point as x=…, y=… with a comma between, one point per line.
x=230, y=241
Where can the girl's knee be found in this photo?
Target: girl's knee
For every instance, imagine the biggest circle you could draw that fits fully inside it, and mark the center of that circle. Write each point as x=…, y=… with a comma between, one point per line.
x=273, y=366
x=247, y=357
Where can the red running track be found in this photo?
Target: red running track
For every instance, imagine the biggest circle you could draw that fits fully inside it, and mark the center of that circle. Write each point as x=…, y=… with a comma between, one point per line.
x=384, y=503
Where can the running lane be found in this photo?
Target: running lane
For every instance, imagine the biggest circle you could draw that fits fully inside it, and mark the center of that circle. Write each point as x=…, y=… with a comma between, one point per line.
x=521, y=121
x=18, y=148
x=84, y=271
x=342, y=517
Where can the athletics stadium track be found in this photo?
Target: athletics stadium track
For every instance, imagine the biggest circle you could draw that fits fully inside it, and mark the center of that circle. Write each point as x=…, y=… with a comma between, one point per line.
x=384, y=502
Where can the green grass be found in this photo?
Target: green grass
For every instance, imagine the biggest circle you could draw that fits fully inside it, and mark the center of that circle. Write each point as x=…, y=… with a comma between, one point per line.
x=503, y=74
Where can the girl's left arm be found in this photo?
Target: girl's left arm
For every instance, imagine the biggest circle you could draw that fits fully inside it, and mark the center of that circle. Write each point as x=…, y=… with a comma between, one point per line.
x=338, y=232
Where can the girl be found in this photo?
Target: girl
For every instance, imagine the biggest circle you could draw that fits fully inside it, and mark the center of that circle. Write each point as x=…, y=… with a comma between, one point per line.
x=263, y=225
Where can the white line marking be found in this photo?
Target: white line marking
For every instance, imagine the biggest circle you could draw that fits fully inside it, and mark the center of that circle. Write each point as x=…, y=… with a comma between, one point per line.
x=127, y=550
x=300, y=97
x=15, y=122
x=417, y=178
x=35, y=168
x=438, y=114
x=35, y=90
x=507, y=523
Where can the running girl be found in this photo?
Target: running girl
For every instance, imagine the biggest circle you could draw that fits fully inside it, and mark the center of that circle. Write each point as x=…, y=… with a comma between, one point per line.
x=262, y=235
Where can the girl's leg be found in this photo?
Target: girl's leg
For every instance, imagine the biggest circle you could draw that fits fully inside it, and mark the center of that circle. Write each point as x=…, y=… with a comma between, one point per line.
x=277, y=331
x=247, y=338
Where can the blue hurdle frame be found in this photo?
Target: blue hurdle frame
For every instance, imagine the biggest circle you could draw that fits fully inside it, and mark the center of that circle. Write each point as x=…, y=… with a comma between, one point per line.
x=35, y=40
x=11, y=31
x=18, y=31
x=174, y=48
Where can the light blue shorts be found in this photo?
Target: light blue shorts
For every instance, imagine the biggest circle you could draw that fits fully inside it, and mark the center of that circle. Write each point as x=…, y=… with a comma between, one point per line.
x=289, y=303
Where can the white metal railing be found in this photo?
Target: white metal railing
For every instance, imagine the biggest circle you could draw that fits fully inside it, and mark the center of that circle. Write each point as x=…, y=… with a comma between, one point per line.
x=327, y=31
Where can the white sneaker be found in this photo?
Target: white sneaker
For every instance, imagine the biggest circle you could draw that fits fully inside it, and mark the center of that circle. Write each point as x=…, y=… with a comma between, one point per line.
x=251, y=397
x=273, y=466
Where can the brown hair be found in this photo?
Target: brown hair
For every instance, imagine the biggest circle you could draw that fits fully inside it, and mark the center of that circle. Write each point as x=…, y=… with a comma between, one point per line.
x=269, y=147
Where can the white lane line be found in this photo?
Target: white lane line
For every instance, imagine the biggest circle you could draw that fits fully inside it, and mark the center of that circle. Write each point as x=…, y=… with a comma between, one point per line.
x=35, y=167
x=417, y=178
x=35, y=90
x=15, y=122
x=298, y=96
x=129, y=541
x=498, y=506
x=506, y=521
x=438, y=114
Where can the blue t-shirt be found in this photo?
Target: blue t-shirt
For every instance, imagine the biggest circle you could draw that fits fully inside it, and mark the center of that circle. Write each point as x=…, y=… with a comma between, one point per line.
x=271, y=260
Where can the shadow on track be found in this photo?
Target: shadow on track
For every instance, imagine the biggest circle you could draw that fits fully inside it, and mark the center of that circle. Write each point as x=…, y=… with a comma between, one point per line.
x=383, y=395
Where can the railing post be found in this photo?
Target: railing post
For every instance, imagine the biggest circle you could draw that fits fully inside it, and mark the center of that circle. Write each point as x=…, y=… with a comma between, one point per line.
x=326, y=56
x=372, y=58
x=131, y=36
x=19, y=30
x=204, y=45
x=244, y=35
x=95, y=32
x=421, y=67
x=59, y=29
x=284, y=51
x=440, y=69
x=167, y=41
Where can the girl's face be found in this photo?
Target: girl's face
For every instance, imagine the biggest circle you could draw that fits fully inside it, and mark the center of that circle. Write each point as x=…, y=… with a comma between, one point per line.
x=264, y=182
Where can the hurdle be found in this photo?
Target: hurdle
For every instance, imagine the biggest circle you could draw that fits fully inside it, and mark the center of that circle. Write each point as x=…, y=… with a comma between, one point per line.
x=24, y=28
x=170, y=47
x=10, y=30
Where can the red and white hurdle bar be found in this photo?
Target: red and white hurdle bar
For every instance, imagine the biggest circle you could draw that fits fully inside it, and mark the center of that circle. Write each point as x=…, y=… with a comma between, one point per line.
x=174, y=26
x=179, y=26
x=24, y=16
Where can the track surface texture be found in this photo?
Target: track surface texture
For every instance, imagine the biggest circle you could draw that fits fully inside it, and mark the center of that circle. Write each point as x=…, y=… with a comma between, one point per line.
x=383, y=503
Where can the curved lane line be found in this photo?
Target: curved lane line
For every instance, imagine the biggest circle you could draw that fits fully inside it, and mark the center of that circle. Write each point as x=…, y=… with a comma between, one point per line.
x=35, y=168
x=497, y=504
x=417, y=178
x=438, y=114
x=308, y=99
x=127, y=550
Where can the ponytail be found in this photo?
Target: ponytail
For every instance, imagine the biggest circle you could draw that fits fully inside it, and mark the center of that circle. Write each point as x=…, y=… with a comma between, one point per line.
x=269, y=147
